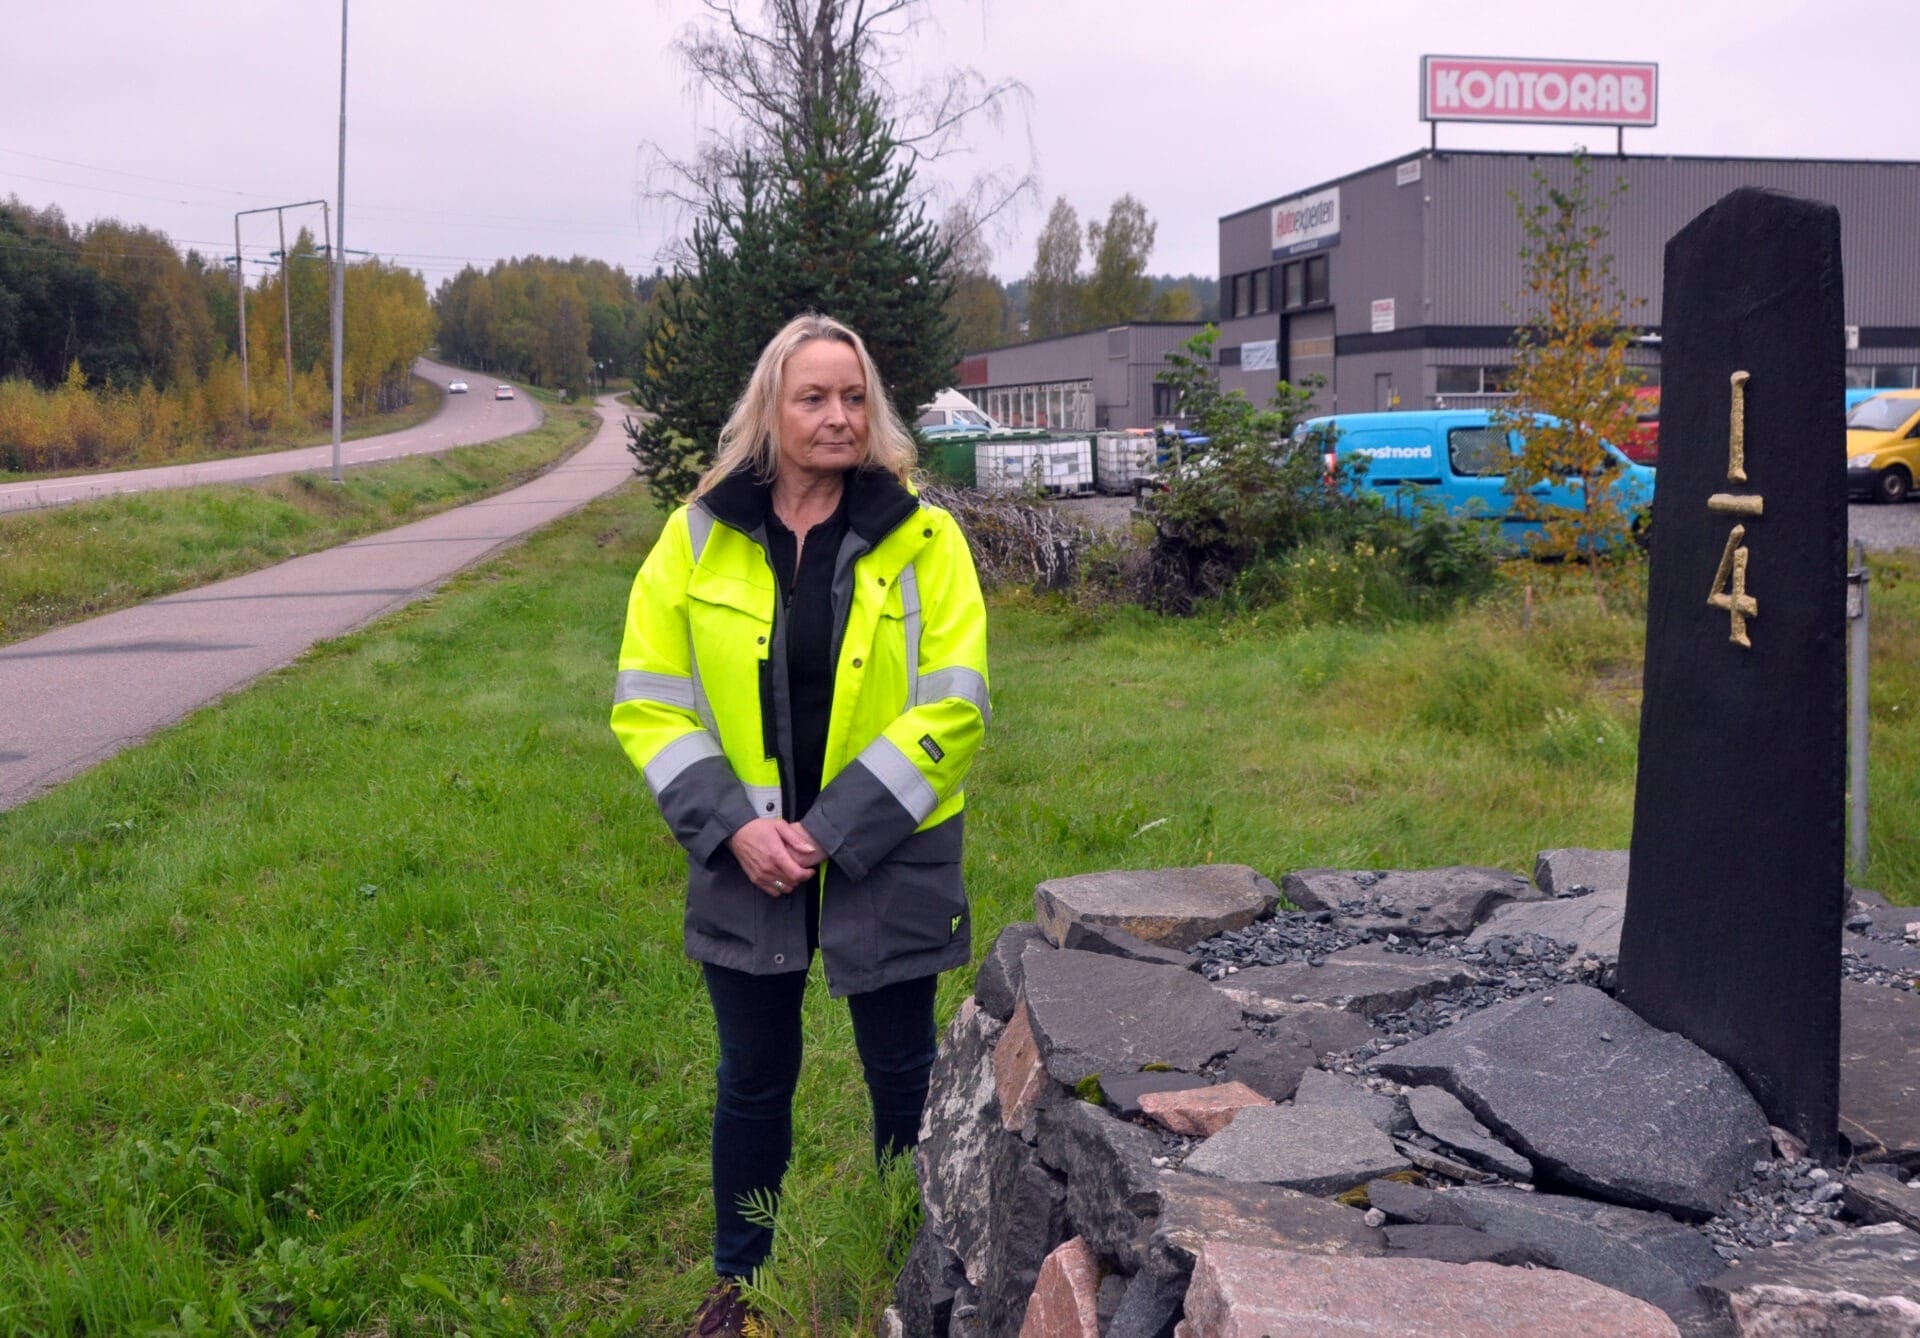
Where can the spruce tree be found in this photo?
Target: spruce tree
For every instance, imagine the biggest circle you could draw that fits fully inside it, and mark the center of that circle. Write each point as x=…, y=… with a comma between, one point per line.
x=825, y=223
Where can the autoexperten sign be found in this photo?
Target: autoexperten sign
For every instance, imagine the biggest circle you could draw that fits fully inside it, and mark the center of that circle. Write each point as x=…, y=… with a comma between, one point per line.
x=1306, y=223
x=1541, y=92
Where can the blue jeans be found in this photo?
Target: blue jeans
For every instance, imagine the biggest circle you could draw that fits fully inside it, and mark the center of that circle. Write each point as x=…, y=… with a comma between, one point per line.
x=758, y=1018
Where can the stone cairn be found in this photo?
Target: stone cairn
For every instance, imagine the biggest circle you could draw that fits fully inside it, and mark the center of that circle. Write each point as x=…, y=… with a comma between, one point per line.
x=1410, y=1106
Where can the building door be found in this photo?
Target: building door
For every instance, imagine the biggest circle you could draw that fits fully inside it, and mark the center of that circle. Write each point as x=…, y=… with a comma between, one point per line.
x=1309, y=343
x=1383, y=396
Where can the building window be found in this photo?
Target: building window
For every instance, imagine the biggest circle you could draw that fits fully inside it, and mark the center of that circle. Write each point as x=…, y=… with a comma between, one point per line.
x=1319, y=288
x=1895, y=378
x=1262, y=291
x=1117, y=340
x=1305, y=283
x=1166, y=401
x=1471, y=380
x=1064, y=406
x=1242, y=294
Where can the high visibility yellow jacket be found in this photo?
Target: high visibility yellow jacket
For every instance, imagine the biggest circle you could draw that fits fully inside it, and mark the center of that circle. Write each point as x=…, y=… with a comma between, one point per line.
x=700, y=705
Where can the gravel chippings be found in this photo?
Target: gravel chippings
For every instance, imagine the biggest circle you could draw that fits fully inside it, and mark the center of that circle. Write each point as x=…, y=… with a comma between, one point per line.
x=1789, y=1199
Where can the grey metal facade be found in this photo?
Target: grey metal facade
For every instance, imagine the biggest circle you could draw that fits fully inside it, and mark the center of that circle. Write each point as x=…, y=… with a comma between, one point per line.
x=1121, y=363
x=1436, y=234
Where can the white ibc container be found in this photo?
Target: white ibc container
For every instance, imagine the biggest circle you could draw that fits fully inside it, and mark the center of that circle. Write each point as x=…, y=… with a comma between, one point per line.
x=1062, y=467
x=1122, y=458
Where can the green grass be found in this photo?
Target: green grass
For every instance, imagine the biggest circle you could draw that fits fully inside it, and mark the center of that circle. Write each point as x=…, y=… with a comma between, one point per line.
x=426, y=401
x=358, y=1002
x=65, y=563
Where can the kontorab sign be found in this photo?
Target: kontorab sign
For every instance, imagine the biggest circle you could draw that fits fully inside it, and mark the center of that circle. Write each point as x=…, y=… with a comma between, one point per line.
x=1547, y=92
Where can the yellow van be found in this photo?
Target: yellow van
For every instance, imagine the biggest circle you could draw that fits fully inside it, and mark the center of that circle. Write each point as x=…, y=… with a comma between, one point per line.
x=1883, y=446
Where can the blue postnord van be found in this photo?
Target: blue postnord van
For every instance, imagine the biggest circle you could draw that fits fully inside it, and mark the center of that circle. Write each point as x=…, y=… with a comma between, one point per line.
x=1460, y=459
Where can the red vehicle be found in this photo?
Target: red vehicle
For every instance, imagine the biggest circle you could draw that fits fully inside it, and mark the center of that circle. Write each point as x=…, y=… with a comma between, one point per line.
x=1642, y=445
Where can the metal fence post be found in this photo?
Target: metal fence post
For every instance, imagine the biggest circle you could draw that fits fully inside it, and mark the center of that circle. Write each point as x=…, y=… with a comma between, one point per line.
x=1857, y=708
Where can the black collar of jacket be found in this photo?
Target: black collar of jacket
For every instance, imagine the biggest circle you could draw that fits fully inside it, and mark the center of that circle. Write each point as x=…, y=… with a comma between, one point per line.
x=876, y=502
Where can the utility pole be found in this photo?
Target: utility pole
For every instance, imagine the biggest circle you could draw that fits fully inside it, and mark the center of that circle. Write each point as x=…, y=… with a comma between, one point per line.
x=340, y=265
x=246, y=390
x=240, y=273
x=286, y=303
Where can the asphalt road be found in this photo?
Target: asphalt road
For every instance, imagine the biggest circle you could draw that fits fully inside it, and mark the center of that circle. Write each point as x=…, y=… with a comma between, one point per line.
x=463, y=420
x=80, y=694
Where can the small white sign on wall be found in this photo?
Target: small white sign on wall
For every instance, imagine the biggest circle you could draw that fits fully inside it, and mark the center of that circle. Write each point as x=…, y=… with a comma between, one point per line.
x=1382, y=313
x=1407, y=173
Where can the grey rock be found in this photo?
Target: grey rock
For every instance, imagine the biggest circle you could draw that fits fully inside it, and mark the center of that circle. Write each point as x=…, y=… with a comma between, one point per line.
x=959, y=1133
x=1367, y=980
x=1648, y=1255
x=1329, y=1030
x=1113, y=1287
x=1574, y=871
x=1117, y=942
x=1413, y=1205
x=1093, y=1014
x=1589, y=925
x=1315, y=1149
x=1440, y=1115
x=1646, y=1119
x=1271, y=1066
x=1883, y=914
x=1864, y=1282
x=1880, y=1073
x=1174, y=908
x=1149, y=1307
x=1388, y=1114
x=1198, y=1210
x=1902, y=959
x=1882, y=1198
x=1417, y=903
x=891, y=1325
x=966, y=1314
x=1440, y=1163
x=1031, y=1219
x=997, y=984
x=1457, y=1245
x=1124, y=1090
x=923, y=1293
x=1113, y=1189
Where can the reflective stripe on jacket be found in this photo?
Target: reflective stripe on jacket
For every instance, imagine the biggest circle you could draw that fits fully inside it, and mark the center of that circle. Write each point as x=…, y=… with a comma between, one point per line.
x=700, y=706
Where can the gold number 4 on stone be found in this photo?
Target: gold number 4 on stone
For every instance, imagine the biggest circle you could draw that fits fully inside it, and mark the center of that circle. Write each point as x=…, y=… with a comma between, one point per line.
x=1734, y=598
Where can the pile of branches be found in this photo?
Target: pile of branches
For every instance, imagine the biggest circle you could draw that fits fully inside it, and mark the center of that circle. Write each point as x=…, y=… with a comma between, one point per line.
x=1015, y=540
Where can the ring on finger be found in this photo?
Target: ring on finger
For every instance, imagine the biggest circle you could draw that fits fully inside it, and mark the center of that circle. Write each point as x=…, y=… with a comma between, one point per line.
x=779, y=886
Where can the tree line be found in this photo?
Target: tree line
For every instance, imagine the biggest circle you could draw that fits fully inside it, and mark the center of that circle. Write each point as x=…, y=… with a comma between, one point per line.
x=564, y=324
x=1058, y=296
x=115, y=347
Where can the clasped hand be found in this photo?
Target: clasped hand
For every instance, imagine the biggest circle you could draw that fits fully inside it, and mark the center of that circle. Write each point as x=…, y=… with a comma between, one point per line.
x=777, y=855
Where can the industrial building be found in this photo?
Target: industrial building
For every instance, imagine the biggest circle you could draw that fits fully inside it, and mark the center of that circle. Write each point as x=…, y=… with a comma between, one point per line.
x=1399, y=286
x=1092, y=381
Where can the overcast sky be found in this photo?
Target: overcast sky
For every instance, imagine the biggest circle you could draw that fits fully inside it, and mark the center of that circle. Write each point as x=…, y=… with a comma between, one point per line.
x=487, y=129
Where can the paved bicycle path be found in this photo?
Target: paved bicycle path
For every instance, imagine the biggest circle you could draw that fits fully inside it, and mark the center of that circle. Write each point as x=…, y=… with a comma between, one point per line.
x=461, y=420
x=78, y=695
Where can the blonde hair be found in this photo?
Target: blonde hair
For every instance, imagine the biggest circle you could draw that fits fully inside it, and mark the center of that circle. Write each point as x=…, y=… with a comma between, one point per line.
x=750, y=434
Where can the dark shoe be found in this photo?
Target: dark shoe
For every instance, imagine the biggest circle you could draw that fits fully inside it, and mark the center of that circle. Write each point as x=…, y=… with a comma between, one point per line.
x=723, y=1314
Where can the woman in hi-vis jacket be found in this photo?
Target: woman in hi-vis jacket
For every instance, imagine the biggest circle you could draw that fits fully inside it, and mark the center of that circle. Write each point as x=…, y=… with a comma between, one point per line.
x=803, y=683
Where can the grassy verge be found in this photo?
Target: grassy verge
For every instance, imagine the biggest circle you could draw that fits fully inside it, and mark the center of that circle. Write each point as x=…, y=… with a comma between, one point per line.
x=65, y=563
x=358, y=1002
x=427, y=398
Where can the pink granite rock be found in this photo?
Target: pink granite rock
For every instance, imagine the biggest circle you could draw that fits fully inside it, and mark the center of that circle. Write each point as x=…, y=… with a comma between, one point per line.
x=1200, y=1111
x=1243, y=1292
x=1018, y=1075
x=1064, y=1299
